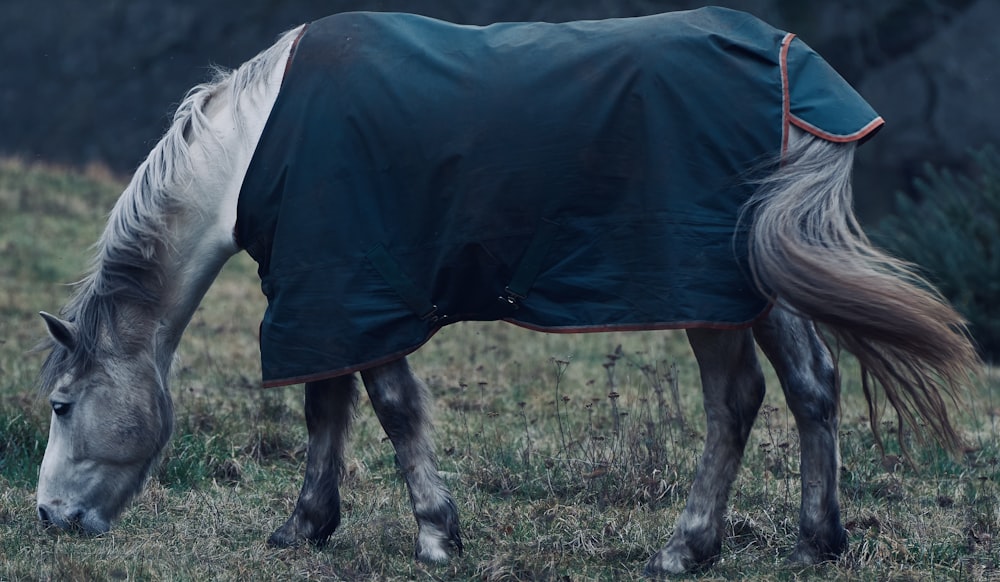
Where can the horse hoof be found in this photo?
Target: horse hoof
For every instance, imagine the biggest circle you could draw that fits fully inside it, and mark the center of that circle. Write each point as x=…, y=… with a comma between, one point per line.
x=281, y=539
x=810, y=554
x=288, y=536
x=678, y=557
x=433, y=547
x=664, y=564
x=804, y=556
x=432, y=555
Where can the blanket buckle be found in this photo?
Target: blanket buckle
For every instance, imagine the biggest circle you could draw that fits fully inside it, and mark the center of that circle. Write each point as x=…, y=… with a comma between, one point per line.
x=530, y=264
x=431, y=315
x=510, y=298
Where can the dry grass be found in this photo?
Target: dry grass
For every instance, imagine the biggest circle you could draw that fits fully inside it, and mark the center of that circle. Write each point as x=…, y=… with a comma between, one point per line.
x=554, y=478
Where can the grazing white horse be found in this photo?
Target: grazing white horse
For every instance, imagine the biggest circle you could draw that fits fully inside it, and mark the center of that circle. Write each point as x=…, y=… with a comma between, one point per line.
x=173, y=228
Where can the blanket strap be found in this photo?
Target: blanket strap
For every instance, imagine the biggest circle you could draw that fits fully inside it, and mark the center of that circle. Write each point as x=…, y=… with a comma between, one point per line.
x=530, y=264
x=402, y=284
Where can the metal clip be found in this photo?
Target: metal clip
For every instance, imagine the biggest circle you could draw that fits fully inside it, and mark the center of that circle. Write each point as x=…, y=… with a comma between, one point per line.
x=431, y=315
x=510, y=298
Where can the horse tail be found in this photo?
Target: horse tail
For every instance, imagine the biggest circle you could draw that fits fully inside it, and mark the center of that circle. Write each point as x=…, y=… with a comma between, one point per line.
x=808, y=251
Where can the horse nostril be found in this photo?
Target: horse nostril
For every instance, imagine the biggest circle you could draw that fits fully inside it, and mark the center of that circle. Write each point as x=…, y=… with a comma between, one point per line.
x=43, y=514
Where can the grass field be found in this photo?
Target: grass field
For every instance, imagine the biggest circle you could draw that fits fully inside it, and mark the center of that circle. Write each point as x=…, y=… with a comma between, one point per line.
x=554, y=478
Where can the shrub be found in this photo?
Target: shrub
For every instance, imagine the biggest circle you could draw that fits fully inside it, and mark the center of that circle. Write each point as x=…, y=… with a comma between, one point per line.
x=953, y=233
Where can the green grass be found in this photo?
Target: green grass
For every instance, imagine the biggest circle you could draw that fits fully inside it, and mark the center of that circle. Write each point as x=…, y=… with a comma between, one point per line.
x=554, y=479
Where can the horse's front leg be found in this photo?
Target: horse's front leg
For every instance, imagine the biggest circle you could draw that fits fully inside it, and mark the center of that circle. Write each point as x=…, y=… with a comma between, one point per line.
x=329, y=406
x=809, y=379
x=401, y=402
x=733, y=387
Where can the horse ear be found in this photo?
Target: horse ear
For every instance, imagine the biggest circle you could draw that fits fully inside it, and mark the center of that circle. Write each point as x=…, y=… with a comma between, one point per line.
x=61, y=330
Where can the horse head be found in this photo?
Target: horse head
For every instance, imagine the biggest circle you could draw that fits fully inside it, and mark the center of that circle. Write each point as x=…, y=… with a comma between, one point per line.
x=111, y=418
x=166, y=240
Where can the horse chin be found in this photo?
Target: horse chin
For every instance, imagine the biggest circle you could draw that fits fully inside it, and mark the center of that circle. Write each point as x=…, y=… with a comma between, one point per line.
x=93, y=524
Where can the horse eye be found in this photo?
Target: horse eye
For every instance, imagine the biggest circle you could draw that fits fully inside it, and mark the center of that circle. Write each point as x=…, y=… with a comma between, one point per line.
x=61, y=408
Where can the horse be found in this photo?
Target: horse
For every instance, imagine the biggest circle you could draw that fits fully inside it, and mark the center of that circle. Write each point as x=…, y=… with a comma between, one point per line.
x=785, y=256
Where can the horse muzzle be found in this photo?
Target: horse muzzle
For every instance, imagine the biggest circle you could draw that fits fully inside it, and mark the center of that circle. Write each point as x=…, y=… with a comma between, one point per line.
x=57, y=514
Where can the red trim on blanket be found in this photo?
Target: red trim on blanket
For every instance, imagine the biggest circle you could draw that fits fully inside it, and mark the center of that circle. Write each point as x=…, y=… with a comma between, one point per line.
x=857, y=135
x=787, y=119
x=576, y=329
x=284, y=73
x=786, y=99
x=291, y=51
x=345, y=371
x=638, y=326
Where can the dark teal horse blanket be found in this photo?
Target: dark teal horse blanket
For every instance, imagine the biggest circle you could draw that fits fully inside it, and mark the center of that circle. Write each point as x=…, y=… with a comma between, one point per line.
x=584, y=176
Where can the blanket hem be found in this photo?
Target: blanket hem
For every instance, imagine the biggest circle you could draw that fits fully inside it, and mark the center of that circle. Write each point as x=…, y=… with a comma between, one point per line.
x=276, y=383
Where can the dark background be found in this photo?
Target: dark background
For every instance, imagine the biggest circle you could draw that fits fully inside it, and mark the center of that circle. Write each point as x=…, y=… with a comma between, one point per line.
x=96, y=82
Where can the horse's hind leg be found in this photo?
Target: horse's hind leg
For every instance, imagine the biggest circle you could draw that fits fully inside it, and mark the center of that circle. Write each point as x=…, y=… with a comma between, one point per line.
x=809, y=378
x=401, y=402
x=733, y=387
x=329, y=406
